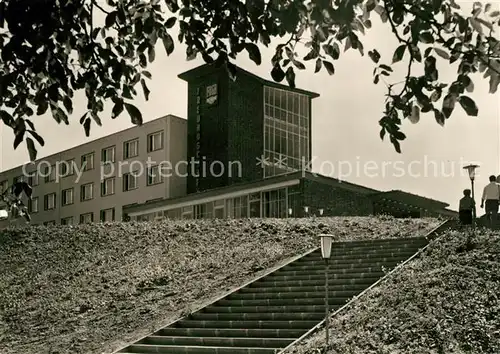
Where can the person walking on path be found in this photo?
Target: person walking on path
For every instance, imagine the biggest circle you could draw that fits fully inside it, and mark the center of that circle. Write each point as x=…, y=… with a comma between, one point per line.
x=490, y=200
x=466, y=207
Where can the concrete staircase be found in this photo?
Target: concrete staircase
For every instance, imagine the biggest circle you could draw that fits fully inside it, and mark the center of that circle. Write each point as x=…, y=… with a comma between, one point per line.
x=275, y=310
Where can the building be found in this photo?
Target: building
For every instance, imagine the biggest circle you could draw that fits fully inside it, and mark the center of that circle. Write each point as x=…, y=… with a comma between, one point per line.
x=91, y=182
x=244, y=151
x=232, y=123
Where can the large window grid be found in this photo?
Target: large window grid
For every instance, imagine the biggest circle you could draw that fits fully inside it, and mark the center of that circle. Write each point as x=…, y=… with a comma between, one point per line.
x=286, y=131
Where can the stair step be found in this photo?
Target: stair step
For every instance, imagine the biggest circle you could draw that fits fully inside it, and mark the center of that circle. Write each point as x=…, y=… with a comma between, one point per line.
x=283, y=302
x=256, y=316
x=310, y=288
x=321, y=265
x=161, y=341
x=264, y=309
x=367, y=256
x=290, y=295
x=367, y=250
x=357, y=260
x=246, y=324
x=231, y=332
x=314, y=282
x=372, y=275
x=181, y=349
x=333, y=272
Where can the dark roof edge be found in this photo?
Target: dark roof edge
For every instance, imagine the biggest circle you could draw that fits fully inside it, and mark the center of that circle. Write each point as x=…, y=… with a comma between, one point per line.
x=397, y=191
x=206, y=68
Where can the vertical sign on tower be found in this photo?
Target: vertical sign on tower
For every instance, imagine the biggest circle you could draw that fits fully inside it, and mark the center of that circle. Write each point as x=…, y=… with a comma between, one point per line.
x=198, y=140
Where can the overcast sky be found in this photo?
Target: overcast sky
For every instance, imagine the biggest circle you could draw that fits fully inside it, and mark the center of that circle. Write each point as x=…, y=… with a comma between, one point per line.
x=344, y=119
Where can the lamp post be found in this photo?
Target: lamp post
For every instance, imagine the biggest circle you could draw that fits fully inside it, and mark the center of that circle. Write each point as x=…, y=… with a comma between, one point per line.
x=290, y=212
x=471, y=170
x=320, y=212
x=326, y=251
x=306, y=210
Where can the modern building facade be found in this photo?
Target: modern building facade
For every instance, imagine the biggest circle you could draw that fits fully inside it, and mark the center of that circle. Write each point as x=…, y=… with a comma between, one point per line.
x=234, y=125
x=92, y=182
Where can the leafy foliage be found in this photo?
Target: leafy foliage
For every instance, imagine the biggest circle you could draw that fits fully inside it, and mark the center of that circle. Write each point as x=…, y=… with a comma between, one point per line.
x=52, y=49
x=140, y=275
x=445, y=302
x=12, y=199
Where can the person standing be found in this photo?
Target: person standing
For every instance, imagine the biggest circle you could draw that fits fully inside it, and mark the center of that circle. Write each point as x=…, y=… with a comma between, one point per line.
x=466, y=207
x=490, y=200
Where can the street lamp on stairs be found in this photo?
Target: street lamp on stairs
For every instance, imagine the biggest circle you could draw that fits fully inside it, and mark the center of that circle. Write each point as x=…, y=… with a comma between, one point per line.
x=326, y=251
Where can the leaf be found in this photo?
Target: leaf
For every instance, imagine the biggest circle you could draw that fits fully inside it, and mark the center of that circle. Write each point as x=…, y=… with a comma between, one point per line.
x=151, y=53
x=439, y=117
x=135, y=114
x=298, y=65
x=145, y=89
x=38, y=138
x=415, y=114
x=277, y=73
x=385, y=67
x=290, y=77
x=168, y=43
x=399, y=135
x=443, y=54
x=111, y=19
x=476, y=25
x=468, y=105
x=7, y=119
x=398, y=53
x=318, y=65
x=86, y=127
x=311, y=55
x=329, y=67
x=31, y=149
x=374, y=56
x=494, y=81
x=494, y=13
x=68, y=104
x=448, y=105
x=170, y=22
x=253, y=53
x=426, y=37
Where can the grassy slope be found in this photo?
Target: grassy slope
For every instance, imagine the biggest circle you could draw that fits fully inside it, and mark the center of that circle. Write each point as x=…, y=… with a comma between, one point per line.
x=86, y=288
x=447, y=301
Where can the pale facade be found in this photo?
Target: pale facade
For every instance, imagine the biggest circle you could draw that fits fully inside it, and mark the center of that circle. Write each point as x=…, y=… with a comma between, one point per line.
x=93, y=181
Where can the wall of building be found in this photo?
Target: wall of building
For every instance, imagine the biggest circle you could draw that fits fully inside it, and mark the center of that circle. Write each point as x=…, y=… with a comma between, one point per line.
x=207, y=130
x=334, y=201
x=246, y=128
x=173, y=150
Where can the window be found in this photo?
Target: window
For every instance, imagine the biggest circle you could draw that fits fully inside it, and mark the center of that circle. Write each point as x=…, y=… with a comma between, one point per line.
x=131, y=148
x=155, y=141
x=86, y=191
x=129, y=181
x=108, y=155
x=33, y=205
x=67, y=196
x=154, y=176
x=3, y=186
x=86, y=218
x=108, y=215
x=108, y=186
x=67, y=168
x=67, y=221
x=49, y=201
x=211, y=94
x=33, y=178
x=50, y=173
x=88, y=162
x=48, y=223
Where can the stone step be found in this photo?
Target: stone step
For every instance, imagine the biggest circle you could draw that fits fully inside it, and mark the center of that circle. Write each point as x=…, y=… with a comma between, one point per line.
x=366, y=256
x=310, y=288
x=351, y=265
x=365, y=260
x=291, y=295
x=246, y=324
x=257, y=316
x=282, y=302
x=315, y=282
x=184, y=349
x=264, y=309
x=217, y=341
x=231, y=332
x=333, y=276
x=331, y=272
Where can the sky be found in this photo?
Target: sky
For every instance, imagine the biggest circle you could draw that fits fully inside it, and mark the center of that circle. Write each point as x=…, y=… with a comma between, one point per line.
x=345, y=130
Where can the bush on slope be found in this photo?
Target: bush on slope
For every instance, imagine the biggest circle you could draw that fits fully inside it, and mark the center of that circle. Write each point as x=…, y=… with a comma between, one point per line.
x=73, y=288
x=447, y=301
